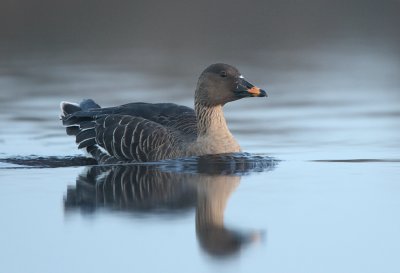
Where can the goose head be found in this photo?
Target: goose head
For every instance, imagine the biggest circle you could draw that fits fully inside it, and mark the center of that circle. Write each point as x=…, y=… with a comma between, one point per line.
x=222, y=83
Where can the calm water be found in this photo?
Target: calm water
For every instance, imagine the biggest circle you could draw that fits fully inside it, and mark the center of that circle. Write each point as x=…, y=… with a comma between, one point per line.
x=319, y=191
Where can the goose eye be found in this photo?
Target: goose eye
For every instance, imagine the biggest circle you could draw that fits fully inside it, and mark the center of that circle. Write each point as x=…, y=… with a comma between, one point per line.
x=223, y=74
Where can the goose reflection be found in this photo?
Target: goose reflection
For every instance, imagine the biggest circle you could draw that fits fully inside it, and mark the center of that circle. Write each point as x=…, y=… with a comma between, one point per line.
x=204, y=183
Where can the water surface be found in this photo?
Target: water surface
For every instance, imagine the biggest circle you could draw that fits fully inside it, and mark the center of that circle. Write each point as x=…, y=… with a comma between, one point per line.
x=318, y=191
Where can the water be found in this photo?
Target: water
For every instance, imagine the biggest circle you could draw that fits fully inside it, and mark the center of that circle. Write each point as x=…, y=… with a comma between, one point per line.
x=318, y=191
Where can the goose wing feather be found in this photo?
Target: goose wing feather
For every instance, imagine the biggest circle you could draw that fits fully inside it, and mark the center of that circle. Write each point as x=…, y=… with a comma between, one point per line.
x=173, y=116
x=130, y=138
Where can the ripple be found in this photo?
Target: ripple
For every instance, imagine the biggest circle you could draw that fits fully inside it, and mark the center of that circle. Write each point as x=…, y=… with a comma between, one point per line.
x=46, y=161
x=222, y=164
x=358, y=160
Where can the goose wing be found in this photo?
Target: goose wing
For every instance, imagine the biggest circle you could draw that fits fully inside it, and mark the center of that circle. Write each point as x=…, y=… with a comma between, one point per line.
x=176, y=117
x=129, y=138
x=131, y=132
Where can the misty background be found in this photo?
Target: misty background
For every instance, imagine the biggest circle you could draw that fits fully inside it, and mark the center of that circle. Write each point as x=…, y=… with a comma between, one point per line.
x=219, y=26
x=197, y=27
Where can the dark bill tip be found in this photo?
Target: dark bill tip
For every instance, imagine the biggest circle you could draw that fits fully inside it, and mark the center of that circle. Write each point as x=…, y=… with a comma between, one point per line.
x=263, y=93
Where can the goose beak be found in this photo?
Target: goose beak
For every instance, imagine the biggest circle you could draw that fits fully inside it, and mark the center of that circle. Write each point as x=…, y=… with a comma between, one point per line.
x=245, y=89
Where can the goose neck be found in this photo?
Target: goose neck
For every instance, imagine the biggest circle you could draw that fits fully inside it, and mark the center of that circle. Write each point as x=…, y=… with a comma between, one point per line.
x=210, y=119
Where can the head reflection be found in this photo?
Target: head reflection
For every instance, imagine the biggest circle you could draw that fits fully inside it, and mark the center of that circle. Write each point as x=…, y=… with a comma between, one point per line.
x=204, y=183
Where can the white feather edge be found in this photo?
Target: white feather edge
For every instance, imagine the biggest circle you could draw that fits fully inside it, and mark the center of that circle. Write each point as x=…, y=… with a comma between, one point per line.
x=67, y=102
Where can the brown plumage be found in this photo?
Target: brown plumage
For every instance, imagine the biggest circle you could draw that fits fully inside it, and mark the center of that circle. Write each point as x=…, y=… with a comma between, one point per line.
x=140, y=132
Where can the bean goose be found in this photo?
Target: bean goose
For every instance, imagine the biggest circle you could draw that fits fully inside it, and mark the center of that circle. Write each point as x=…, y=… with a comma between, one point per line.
x=139, y=132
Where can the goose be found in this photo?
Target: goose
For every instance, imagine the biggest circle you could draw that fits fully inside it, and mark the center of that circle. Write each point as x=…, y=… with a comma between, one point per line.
x=144, y=132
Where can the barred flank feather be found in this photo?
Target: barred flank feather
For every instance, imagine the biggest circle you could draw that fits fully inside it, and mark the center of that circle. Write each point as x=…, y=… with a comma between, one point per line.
x=134, y=132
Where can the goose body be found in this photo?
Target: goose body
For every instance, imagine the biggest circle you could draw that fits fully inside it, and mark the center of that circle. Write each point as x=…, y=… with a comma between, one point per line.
x=140, y=132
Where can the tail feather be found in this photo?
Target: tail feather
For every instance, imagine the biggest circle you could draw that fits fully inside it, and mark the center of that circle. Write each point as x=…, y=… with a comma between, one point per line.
x=85, y=134
x=68, y=108
x=72, y=130
x=87, y=124
x=88, y=104
x=87, y=143
x=80, y=126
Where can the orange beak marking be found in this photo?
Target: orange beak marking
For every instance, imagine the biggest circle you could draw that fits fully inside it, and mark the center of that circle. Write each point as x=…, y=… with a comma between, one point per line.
x=254, y=91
